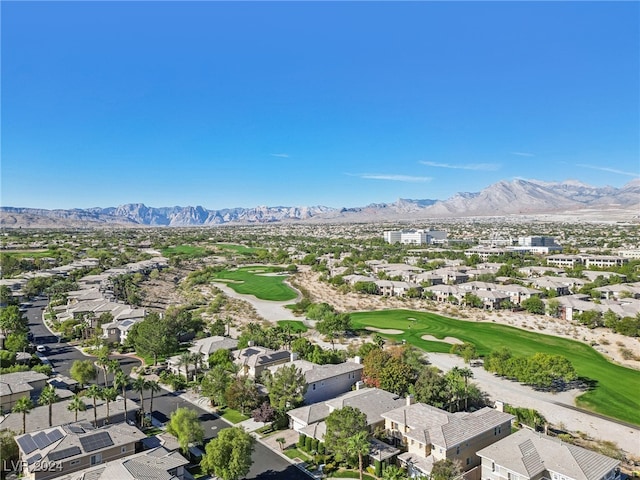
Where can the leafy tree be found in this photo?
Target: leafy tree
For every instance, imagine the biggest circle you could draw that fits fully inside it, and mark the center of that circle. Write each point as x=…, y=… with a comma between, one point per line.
x=365, y=287
x=49, y=397
x=154, y=337
x=185, y=425
x=76, y=405
x=373, y=364
x=229, y=455
x=396, y=376
x=334, y=326
x=286, y=387
x=392, y=472
x=94, y=391
x=83, y=371
x=24, y=405
x=533, y=305
x=16, y=341
x=430, y=387
x=446, y=469
x=9, y=452
x=217, y=328
x=242, y=394
x=472, y=300
x=221, y=357
x=342, y=424
x=264, y=413
x=553, y=307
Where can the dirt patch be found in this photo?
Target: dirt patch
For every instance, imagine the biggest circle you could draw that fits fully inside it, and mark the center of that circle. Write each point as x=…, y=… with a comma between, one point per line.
x=452, y=340
x=386, y=331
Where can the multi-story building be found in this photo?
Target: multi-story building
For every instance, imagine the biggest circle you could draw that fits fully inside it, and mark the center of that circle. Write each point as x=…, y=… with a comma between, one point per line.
x=415, y=237
x=528, y=455
x=430, y=434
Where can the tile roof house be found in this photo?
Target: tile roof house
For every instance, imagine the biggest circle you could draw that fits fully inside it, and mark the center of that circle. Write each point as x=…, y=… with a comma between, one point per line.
x=156, y=464
x=52, y=452
x=14, y=386
x=253, y=360
x=325, y=381
x=430, y=434
x=528, y=455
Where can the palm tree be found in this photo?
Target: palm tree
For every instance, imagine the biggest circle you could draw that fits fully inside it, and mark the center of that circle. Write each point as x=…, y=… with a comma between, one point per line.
x=76, y=405
x=466, y=374
x=113, y=367
x=184, y=361
x=228, y=322
x=197, y=358
x=139, y=385
x=121, y=381
x=359, y=445
x=109, y=395
x=94, y=391
x=23, y=406
x=391, y=472
x=103, y=363
x=153, y=387
x=49, y=397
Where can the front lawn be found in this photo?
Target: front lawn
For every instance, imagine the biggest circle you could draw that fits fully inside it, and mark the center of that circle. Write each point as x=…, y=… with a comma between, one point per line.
x=233, y=416
x=615, y=394
x=258, y=281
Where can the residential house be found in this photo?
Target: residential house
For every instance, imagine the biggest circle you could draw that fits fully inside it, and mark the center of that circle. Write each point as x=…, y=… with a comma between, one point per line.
x=444, y=293
x=205, y=347
x=517, y=293
x=156, y=464
x=389, y=288
x=253, y=360
x=618, y=291
x=58, y=451
x=430, y=434
x=528, y=455
x=325, y=381
x=557, y=284
x=14, y=386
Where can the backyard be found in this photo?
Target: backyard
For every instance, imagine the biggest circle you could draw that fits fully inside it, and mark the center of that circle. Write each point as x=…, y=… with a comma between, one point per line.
x=614, y=395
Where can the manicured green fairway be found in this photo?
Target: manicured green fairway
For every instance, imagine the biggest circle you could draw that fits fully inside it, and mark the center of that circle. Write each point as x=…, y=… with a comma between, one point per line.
x=296, y=325
x=253, y=281
x=617, y=391
x=185, y=250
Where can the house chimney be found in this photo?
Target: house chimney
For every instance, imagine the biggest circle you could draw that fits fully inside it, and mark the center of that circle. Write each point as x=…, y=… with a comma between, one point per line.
x=359, y=385
x=357, y=359
x=410, y=399
x=251, y=343
x=293, y=357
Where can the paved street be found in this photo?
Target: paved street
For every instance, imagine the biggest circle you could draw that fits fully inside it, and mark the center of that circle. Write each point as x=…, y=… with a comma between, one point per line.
x=266, y=463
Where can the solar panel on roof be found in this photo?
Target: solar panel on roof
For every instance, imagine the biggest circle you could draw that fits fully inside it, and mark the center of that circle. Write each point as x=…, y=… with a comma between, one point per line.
x=64, y=453
x=35, y=458
x=96, y=441
x=54, y=436
x=27, y=444
x=40, y=439
x=75, y=429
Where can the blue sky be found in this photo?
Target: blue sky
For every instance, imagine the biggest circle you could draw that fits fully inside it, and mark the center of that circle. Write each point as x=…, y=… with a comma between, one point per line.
x=301, y=103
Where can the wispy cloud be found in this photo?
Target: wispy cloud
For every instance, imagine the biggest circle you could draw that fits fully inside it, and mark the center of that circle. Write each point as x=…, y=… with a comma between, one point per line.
x=279, y=155
x=610, y=170
x=522, y=154
x=393, y=178
x=468, y=166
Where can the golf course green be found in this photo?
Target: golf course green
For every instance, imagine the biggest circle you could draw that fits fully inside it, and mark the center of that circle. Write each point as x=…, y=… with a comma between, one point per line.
x=617, y=390
x=257, y=281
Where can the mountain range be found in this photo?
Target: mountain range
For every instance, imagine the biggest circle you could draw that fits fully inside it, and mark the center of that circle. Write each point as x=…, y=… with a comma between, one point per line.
x=505, y=198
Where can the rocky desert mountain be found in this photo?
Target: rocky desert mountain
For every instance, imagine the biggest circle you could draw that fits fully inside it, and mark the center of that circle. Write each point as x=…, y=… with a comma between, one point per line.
x=571, y=199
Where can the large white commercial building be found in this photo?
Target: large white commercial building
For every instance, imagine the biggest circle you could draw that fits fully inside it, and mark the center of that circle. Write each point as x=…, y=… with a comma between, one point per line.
x=415, y=237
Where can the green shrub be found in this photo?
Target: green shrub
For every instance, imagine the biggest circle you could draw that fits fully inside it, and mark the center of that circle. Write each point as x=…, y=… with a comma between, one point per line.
x=321, y=448
x=301, y=441
x=308, y=442
x=378, y=468
x=314, y=445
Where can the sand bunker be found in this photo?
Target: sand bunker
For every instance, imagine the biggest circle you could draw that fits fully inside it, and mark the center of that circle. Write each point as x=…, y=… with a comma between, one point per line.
x=452, y=340
x=386, y=331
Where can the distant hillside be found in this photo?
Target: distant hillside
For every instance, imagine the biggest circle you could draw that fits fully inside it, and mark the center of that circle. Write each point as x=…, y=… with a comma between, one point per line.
x=517, y=197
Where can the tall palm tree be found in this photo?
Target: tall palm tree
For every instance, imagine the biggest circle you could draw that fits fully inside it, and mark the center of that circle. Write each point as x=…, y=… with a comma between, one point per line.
x=94, y=391
x=466, y=374
x=103, y=363
x=153, y=387
x=76, y=405
x=109, y=395
x=359, y=445
x=49, y=397
x=139, y=385
x=185, y=361
x=196, y=358
x=24, y=405
x=121, y=381
x=228, y=322
x=113, y=367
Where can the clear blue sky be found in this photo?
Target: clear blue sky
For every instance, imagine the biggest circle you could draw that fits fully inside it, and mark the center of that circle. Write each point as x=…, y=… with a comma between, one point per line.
x=299, y=103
